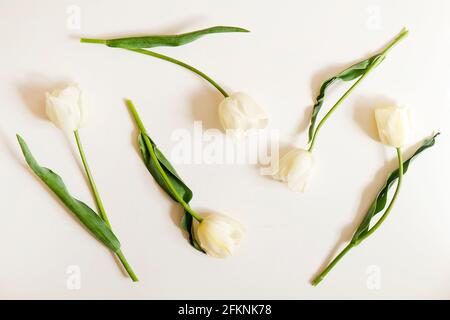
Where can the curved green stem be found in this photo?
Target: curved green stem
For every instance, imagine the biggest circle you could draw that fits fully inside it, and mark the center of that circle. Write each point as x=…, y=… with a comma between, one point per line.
x=322, y=275
x=166, y=58
x=391, y=204
x=400, y=37
x=330, y=112
x=149, y=145
x=99, y=203
x=184, y=65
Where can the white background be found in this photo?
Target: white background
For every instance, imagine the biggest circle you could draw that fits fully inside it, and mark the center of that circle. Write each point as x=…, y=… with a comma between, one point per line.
x=293, y=47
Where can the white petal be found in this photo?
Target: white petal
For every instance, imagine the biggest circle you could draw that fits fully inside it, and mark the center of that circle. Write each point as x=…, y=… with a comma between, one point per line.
x=248, y=106
x=229, y=114
x=66, y=108
x=239, y=112
x=295, y=168
x=394, y=125
x=219, y=235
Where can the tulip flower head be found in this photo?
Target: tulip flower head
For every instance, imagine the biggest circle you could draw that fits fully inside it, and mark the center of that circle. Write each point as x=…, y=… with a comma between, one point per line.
x=357, y=71
x=240, y=113
x=219, y=235
x=66, y=108
x=394, y=125
x=295, y=169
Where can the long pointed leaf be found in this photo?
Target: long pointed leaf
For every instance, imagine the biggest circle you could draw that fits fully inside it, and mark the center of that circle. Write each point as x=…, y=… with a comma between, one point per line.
x=168, y=40
x=181, y=188
x=381, y=200
x=349, y=74
x=86, y=215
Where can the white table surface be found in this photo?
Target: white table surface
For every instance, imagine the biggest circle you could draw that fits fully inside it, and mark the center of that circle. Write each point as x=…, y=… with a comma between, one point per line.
x=293, y=47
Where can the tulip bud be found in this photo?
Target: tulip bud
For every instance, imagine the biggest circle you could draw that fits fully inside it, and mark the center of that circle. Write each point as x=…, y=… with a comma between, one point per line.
x=295, y=168
x=394, y=125
x=66, y=109
x=240, y=113
x=219, y=235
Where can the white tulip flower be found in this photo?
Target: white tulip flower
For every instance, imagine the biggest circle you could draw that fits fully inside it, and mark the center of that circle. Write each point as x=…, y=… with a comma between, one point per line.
x=394, y=125
x=66, y=108
x=240, y=113
x=219, y=235
x=295, y=168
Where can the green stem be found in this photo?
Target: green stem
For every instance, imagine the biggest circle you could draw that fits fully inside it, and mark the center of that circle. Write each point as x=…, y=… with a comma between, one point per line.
x=149, y=145
x=389, y=208
x=184, y=65
x=88, y=40
x=330, y=112
x=166, y=58
x=127, y=266
x=322, y=275
x=400, y=37
x=99, y=203
x=403, y=34
x=98, y=200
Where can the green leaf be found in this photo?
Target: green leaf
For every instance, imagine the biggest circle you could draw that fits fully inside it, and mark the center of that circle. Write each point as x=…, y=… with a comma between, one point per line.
x=181, y=188
x=349, y=74
x=167, y=40
x=380, y=201
x=86, y=215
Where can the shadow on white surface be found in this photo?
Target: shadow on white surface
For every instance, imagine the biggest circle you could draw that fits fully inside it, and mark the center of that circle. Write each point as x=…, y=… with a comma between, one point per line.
x=33, y=96
x=282, y=150
x=205, y=107
x=326, y=73
x=367, y=197
x=363, y=113
x=176, y=213
x=186, y=25
x=33, y=93
x=317, y=80
x=10, y=147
